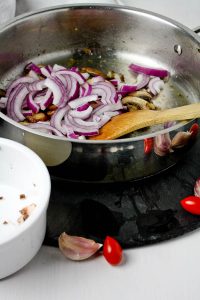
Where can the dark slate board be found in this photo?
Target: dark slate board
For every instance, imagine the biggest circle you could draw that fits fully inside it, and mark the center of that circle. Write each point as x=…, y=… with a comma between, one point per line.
x=136, y=214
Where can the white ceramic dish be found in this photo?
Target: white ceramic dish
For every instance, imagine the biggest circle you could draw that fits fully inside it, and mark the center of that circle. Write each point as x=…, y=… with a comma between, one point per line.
x=24, y=181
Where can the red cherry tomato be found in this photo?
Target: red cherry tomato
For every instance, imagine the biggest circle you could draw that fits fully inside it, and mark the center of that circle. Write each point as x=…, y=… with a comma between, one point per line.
x=194, y=130
x=112, y=251
x=148, y=145
x=191, y=204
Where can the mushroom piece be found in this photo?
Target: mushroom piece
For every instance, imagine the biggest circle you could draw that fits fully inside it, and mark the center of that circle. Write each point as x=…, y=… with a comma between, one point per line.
x=93, y=71
x=137, y=103
x=142, y=94
x=114, y=75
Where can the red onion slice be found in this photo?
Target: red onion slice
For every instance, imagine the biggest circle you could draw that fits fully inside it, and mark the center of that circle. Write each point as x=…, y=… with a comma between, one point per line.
x=17, y=82
x=56, y=119
x=82, y=100
x=26, y=112
x=58, y=90
x=75, y=75
x=33, y=74
x=106, y=91
x=142, y=81
x=155, y=85
x=33, y=67
x=31, y=104
x=37, y=85
x=109, y=107
x=83, y=107
x=81, y=114
x=149, y=71
x=44, y=100
x=43, y=126
x=17, y=103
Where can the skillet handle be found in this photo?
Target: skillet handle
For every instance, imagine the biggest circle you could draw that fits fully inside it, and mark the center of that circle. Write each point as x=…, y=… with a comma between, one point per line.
x=197, y=29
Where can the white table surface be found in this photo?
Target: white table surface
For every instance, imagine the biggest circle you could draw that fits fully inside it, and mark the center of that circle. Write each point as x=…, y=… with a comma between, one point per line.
x=165, y=271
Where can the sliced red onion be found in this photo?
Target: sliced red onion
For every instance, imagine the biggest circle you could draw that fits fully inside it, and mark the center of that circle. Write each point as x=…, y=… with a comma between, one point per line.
x=87, y=89
x=42, y=126
x=73, y=74
x=81, y=122
x=10, y=99
x=17, y=82
x=106, y=91
x=87, y=133
x=26, y=112
x=33, y=74
x=74, y=69
x=149, y=71
x=45, y=100
x=81, y=114
x=109, y=107
x=31, y=104
x=71, y=121
x=17, y=103
x=112, y=113
x=83, y=107
x=115, y=82
x=37, y=85
x=96, y=79
x=57, y=67
x=46, y=71
x=33, y=67
x=73, y=93
x=127, y=88
x=82, y=100
x=103, y=120
x=70, y=133
x=142, y=81
x=56, y=119
x=58, y=90
x=81, y=91
x=85, y=75
x=155, y=85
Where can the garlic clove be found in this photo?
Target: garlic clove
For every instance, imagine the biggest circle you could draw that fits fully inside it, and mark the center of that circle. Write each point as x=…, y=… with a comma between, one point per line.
x=77, y=248
x=197, y=188
x=181, y=139
x=162, y=144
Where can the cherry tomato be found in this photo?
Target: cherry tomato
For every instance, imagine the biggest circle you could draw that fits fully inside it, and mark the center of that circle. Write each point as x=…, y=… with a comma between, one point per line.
x=112, y=251
x=194, y=130
x=191, y=204
x=148, y=145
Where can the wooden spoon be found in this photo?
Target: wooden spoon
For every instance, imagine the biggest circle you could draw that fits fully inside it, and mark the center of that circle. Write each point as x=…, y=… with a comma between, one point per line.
x=134, y=120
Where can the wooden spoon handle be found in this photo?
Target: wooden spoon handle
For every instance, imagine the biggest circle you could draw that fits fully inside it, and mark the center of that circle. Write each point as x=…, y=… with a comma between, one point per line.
x=131, y=121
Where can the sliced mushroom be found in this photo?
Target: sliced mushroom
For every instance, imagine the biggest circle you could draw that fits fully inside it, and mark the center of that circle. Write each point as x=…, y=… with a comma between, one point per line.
x=37, y=117
x=142, y=94
x=137, y=102
x=113, y=75
x=93, y=71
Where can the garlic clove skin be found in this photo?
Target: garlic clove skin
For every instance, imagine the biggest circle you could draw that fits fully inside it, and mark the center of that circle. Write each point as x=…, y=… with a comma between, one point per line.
x=181, y=139
x=77, y=248
x=162, y=144
x=197, y=188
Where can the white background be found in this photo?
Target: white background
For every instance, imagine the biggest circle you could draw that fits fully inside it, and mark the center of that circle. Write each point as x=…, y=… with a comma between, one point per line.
x=166, y=271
